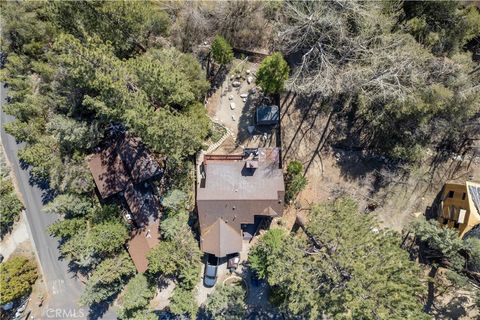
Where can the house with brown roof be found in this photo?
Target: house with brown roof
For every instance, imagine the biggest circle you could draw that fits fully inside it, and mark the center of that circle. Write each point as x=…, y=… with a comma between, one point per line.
x=233, y=190
x=460, y=206
x=125, y=168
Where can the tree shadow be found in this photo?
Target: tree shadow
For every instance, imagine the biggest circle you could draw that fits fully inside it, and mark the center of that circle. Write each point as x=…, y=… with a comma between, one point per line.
x=454, y=309
x=248, y=130
x=97, y=310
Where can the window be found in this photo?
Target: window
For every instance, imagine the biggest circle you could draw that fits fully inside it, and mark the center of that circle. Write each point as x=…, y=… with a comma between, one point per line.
x=450, y=194
x=464, y=196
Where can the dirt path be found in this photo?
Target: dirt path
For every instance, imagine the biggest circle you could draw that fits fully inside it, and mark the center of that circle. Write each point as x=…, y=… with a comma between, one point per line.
x=11, y=241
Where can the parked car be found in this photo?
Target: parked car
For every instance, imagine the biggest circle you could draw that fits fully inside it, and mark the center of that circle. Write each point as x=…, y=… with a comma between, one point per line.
x=211, y=267
x=233, y=261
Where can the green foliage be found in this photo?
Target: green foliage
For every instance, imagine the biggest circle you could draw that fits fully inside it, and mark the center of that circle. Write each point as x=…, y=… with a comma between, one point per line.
x=137, y=296
x=294, y=167
x=174, y=224
x=295, y=182
x=179, y=257
x=260, y=255
x=443, y=26
x=226, y=303
x=221, y=50
x=344, y=269
x=72, y=176
x=101, y=240
x=17, y=275
x=67, y=228
x=129, y=26
x=108, y=278
x=69, y=205
x=73, y=134
x=443, y=241
x=272, y=73
x=10, y=206
x=182, y=302
x=41, y=156
x=170, y=78
x=175, y=200
x=472, y=246
x=27, y=33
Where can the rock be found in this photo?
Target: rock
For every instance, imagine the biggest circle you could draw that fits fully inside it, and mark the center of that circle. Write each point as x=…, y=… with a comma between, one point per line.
x=249, y=79
x=233, y=117
x=248, y=71
x=236, y=83
x=244, y=95
x=244, y=99
x=253, y=90
x=232, y=105
x=230, y=97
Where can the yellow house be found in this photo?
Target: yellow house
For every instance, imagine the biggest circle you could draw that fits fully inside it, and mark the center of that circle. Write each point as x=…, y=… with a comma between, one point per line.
x=460, y=206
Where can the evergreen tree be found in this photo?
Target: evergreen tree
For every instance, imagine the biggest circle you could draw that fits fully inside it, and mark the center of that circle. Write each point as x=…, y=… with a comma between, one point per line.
x=221, y=50
x=343, y=270
x=17, y=275
x=108, y=278
x=136, y=297
x=272, y=73
x=226, y=303
x=182, y=302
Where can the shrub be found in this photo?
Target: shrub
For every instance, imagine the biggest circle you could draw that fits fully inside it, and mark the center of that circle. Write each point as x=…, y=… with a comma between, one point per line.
x=17, y=276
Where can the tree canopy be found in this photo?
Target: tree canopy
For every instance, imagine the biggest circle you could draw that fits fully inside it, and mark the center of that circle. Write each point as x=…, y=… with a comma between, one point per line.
x=221, y=50
x=17, y=275
x=227, y=302
x=272, y=73
x=340, y=270
x=137, y=295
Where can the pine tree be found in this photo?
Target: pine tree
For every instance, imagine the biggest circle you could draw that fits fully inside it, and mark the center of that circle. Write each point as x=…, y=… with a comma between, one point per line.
x=345, y=268
x=272, y=73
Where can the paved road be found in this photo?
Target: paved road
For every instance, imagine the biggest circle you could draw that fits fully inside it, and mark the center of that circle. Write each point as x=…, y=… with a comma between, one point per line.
x=64, y=289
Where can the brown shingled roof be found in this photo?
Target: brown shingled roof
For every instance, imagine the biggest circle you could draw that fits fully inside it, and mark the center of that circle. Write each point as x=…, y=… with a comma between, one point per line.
x=233, y=194
x=108, y=172
x=124, y=161
x=231, y=239
x=141, y=242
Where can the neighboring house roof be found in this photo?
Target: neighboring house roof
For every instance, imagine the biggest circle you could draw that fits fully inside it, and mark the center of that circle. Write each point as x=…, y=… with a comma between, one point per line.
x=268, y=114
x=141, y=241
x=108, y=172
x=137, y=160
x=233, y=194
x=460, y=207
x=126, y=161
x=124, y=166
x=142, y=203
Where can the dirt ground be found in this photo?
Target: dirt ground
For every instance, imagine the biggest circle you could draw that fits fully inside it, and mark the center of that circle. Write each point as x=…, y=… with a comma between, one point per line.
x=395, y=198
x=240, y=120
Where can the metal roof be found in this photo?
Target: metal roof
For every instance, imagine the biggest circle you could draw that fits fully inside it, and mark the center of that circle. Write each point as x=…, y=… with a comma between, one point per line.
x=268, y=114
